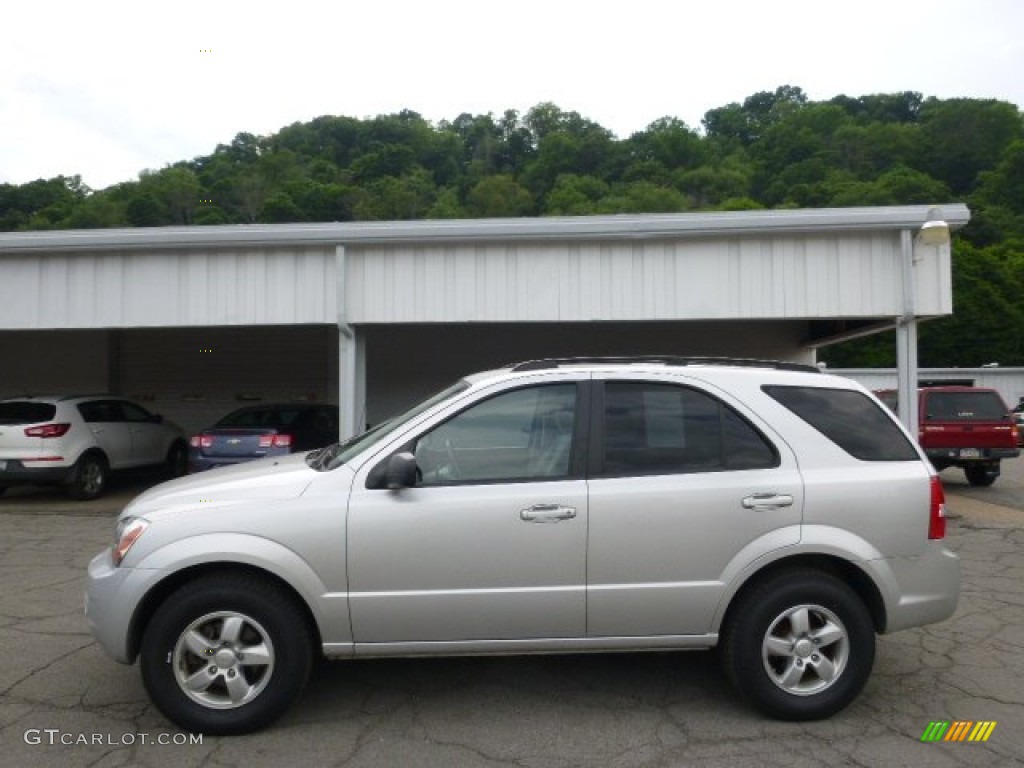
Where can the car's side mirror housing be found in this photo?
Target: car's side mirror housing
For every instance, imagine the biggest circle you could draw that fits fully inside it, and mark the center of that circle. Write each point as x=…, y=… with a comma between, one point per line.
x=401, y=471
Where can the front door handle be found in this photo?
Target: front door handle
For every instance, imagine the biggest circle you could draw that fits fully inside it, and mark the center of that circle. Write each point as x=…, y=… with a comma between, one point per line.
x=547, y=513
x=767, y=500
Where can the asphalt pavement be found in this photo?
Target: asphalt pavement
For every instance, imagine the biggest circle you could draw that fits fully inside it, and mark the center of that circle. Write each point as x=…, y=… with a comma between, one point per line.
x=63, y=703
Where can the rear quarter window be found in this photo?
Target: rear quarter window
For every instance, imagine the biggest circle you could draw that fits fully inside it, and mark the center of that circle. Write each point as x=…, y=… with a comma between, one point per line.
x=26, y=412
x=849, y=419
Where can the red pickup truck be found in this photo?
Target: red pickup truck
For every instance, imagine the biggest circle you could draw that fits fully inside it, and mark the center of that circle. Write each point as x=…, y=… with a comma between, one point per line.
x=966, y=427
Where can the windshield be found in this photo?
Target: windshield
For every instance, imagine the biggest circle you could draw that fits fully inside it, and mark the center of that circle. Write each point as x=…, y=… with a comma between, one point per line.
x=333, y=456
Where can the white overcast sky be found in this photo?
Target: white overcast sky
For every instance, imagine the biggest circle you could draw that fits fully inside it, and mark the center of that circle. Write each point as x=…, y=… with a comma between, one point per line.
x=106, y=89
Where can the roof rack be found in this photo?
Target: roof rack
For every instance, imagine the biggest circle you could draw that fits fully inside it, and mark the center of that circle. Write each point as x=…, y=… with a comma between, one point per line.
x=746, y=362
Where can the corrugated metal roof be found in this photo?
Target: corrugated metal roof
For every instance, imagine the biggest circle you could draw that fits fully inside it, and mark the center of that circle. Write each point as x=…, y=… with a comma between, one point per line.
x=626, y=226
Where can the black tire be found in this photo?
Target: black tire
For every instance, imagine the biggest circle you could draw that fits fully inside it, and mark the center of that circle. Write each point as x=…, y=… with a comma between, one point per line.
x=979, y=475
x=799, y=645
x=176, y=464
x=230, y=617
x=89, y=479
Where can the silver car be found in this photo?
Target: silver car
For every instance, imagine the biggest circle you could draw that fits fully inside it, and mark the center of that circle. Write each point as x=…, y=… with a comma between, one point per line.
x=554, y=506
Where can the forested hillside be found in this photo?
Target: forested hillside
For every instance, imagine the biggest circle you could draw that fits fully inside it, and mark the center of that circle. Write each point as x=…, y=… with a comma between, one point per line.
x=775, y=150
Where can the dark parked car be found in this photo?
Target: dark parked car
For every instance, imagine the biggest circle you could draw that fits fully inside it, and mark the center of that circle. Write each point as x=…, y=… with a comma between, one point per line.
x=257, y=431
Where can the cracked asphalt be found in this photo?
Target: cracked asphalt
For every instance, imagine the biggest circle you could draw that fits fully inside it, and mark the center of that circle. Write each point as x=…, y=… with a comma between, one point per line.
x=63, y=703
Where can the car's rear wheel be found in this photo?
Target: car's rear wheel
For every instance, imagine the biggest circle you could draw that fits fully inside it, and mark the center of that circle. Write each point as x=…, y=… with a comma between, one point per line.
x=980, y=474
x=799, y=645
x=226, y=654
x=89, y=479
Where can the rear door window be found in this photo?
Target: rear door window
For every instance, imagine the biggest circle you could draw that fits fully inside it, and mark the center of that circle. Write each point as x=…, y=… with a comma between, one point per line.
x=652, y=428
x=100, y=411
x=132, y=412
x=849, y=419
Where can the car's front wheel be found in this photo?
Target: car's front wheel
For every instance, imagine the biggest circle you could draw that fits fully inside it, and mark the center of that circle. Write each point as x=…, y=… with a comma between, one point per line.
x=799, y=645
x=226, y=654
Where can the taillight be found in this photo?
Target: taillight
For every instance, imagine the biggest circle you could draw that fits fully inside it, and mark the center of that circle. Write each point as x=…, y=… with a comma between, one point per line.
x=201, y=441
x=275, y=441
x=937, y=512
x=48, y=430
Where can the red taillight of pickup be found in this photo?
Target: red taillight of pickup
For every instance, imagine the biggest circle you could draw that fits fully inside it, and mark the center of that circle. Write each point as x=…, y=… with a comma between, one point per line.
x=48, y=430
x=937, y=511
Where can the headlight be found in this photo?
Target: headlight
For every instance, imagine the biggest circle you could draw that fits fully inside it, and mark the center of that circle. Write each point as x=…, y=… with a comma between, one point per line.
x=126, y=534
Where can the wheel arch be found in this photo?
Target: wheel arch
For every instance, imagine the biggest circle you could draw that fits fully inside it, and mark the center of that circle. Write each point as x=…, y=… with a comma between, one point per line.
x=849, y=573
x=93, y=450
x=159, y=592
x=177, y=442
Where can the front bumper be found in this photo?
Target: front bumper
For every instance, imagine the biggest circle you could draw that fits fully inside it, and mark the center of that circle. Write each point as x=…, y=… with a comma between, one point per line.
x=112, y=595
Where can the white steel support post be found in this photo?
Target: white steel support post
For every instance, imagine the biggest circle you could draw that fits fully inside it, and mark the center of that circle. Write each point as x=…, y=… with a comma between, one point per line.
x=351, y=360
x=906, y=337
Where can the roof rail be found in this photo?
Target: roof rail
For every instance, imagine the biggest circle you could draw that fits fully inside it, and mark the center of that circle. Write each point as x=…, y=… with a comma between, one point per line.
x=547, y=363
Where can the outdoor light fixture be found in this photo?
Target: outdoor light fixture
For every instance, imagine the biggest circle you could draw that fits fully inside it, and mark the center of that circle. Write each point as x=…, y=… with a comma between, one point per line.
x=934, y=231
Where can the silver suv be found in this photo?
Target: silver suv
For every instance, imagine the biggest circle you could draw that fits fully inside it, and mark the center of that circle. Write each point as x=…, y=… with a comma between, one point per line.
x=76, y=441
x=553, y=506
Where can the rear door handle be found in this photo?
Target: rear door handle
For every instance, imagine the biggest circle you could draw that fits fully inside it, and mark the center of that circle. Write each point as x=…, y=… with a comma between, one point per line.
x=547, y=513
x=768, y=500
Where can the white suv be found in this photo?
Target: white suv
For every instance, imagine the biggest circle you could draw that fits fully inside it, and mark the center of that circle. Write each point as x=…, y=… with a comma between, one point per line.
x=779, y=513
x=78, y=441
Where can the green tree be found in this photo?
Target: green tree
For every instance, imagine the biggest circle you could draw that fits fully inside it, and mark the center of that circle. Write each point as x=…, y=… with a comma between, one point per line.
x=964, y=137
x=575, y=195
x=708, y=186
x=746, y=123
x=643, y=197
x=670, y=142
x=407, y=197
x=499, y=196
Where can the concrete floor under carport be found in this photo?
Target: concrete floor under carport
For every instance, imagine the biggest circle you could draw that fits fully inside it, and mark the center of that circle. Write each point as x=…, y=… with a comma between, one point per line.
x=405, y=363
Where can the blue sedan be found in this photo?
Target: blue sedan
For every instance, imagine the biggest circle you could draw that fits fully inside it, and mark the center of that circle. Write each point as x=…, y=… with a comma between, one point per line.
x=258, y=431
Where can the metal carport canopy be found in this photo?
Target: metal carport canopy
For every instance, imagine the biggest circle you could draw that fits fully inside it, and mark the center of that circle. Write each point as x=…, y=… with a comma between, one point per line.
x=634, y=226
x=847, y=264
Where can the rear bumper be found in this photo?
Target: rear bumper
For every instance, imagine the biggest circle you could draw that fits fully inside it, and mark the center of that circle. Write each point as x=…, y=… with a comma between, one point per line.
x=952, y=455
x=16, y=473
x=922, y=590
x=199, y=463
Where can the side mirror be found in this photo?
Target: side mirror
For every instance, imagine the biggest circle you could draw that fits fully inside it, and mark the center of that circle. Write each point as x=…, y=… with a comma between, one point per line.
x=156, y=418
x=401, y=471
